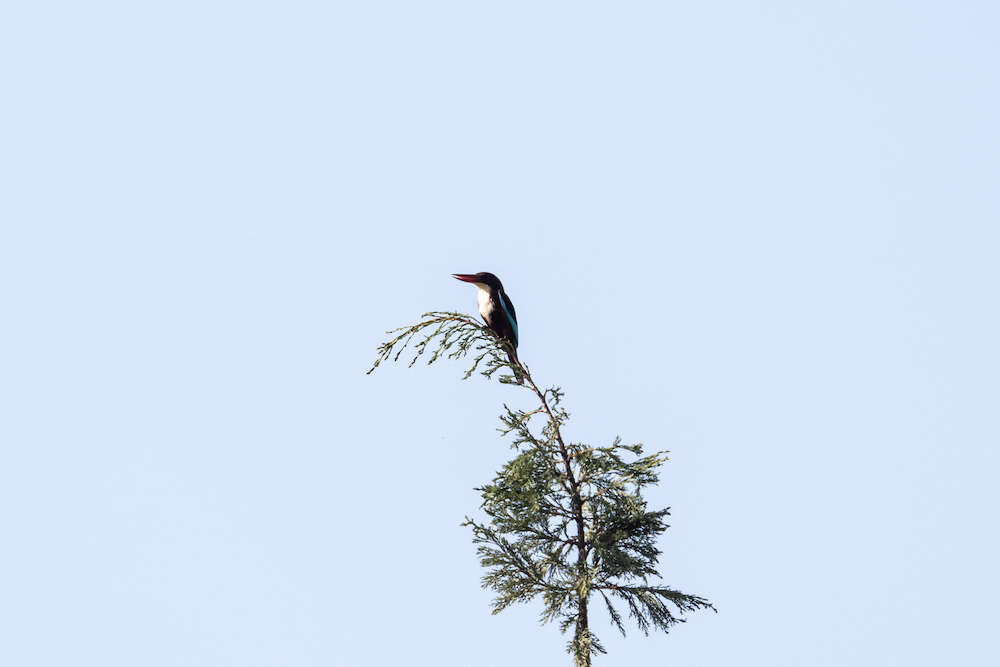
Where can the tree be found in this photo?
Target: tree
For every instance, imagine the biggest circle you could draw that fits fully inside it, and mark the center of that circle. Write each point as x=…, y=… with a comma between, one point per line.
x=567, y=520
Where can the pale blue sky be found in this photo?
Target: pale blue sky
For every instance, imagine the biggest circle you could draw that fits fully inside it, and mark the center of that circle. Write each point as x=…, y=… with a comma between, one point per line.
x=763, y=236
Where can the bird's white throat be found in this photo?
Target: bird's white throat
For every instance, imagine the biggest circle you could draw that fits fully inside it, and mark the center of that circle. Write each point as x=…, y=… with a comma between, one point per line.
x=485, y=303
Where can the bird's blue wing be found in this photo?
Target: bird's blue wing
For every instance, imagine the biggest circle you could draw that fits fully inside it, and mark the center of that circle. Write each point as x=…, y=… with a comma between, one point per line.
x=508, y=309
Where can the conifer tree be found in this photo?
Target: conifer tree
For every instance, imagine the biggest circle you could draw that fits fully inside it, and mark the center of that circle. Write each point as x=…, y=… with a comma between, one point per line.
x=567, y=521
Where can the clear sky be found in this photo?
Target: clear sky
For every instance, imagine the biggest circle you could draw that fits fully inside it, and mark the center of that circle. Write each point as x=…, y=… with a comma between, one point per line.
x=764, y=236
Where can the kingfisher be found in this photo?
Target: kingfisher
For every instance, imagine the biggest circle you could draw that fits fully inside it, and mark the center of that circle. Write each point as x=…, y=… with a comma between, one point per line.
x=496, y=308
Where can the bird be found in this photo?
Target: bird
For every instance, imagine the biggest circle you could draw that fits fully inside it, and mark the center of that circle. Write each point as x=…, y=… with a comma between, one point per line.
x=496, y=308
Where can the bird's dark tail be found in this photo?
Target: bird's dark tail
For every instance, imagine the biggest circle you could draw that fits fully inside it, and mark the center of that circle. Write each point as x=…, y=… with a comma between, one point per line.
x=515, y=364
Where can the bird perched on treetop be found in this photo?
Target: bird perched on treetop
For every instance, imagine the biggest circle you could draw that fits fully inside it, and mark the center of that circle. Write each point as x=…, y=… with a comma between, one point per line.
x=496, y=308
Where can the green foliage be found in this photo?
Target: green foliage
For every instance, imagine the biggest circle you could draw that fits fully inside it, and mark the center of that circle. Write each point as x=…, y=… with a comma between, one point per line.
x=457, y=335
x=567, y=521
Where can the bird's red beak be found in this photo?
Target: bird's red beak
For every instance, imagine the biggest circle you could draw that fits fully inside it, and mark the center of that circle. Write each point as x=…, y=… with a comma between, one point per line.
x=465, y=277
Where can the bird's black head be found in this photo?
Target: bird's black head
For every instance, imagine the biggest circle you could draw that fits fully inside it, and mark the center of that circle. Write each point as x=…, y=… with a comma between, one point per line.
x=482, y=277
